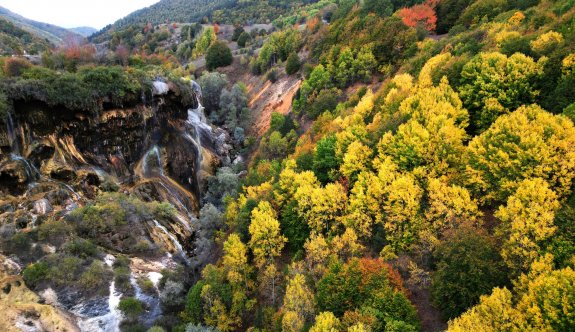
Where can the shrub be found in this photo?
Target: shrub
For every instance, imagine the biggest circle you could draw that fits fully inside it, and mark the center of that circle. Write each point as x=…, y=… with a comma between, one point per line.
x=15, y=66
x=131, y=307
x=94, y=277
x=218, y=55
x=243, y=39
x=293, y=64
x=81, y=248
x=272, y=75
x=35, y=273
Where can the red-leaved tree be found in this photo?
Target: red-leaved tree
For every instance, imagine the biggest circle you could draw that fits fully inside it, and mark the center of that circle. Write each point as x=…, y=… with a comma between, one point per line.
x=420, y=14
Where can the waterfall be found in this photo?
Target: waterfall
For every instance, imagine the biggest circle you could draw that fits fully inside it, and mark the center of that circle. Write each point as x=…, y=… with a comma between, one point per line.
x=11, y=130
x=152, y=303
x=174, y=240
x=109, y=322
x=31, y=171
x=197, y=121
x=159, y=88
x=154, y=152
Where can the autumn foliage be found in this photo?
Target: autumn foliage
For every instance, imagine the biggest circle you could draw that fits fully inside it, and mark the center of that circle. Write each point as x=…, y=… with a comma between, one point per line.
x=420, y=14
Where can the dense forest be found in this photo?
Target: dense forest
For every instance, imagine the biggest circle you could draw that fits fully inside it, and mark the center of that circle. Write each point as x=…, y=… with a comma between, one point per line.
x=422, y=179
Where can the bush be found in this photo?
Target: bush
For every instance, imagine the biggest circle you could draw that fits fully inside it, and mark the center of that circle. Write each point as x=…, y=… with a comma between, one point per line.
x=272, y=75
x=94, y=277
x=131, y=307
x=218, y=55
x=54, y=231
x=81, y=248
x=243, y=39
x=35, y=273
x=15, y=66
x=293, y=64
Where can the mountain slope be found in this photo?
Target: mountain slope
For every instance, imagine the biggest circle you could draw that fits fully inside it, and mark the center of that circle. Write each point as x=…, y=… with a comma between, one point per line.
x=219, y=11
x=52, y=33
x=84, y=31
x=14, y=40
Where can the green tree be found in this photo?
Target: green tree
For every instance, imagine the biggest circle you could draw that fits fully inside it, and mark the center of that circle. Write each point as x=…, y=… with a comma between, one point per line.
x=233, y=105
x=212, y=84
x=468, y=266
x=293, y=64
x=324, y=159
x=243, y=39
x=218, y=55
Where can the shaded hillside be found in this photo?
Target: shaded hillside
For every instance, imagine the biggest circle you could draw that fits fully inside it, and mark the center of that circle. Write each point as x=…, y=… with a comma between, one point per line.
x=53, y=33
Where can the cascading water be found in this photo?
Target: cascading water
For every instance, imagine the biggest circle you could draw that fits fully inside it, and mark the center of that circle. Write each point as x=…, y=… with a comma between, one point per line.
x=174, y=240
x=31, y=171
x=154, y=154
x=199, y=127
x=109, y=322
x=152, y=303
x=11, y=130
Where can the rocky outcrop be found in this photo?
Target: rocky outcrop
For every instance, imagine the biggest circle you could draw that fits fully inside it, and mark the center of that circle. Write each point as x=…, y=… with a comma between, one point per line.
x=22, y=309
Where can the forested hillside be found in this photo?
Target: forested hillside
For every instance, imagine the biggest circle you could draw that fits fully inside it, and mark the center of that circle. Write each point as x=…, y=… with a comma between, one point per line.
x=54, y=34
x=14, y=40
x=218, y=11
x=413, y=166
x=373, y=165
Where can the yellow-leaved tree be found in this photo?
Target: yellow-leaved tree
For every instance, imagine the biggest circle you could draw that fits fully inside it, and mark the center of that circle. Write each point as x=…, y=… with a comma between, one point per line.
x=266, y=239
x=528, y=143
x=323, y=208
x=433, y=136
x=299, y=302
x=449, y=206
x=235, y=261
x=526, y=222
x=326, y=322
x=544, y=301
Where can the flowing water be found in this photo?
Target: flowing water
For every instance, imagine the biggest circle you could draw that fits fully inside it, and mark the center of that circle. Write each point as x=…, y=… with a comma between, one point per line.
x=152, y=303
x=110, y=321
x=174, y=240
x=153, y=155
x=11, y=130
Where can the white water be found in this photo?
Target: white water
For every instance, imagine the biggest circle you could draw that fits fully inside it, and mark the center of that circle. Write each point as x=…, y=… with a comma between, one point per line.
x=109, y=322
x=11, y=130
x=31, y=171
x=33, y=175
x=153, y=303
x=155, y=277
x=42, y=206
x=159, y=88
x=174, y=240
x=153, y=152
x=197, y=120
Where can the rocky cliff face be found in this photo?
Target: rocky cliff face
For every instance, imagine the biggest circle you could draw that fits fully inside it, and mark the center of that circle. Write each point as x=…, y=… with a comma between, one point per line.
x=55, y=161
